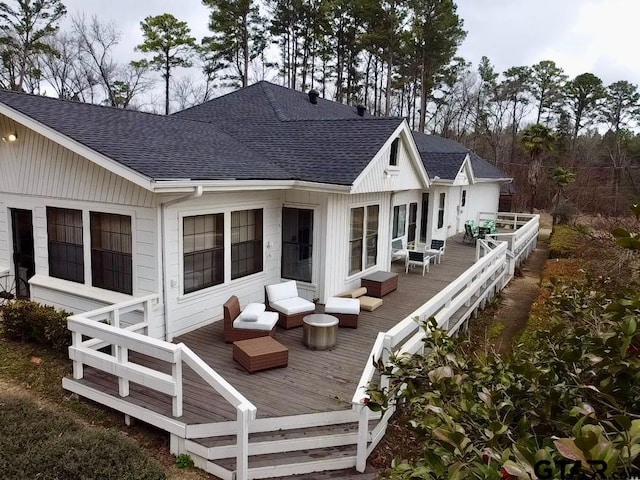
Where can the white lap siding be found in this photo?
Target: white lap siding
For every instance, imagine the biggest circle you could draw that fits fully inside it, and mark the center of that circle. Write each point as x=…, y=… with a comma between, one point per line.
x=38, y=173
x=191, y=310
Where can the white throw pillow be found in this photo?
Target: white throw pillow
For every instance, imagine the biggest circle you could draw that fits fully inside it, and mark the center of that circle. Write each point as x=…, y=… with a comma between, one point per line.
x=252, y=312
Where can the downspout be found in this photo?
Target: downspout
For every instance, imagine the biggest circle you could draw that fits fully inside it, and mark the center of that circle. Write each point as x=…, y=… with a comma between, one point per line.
x=197, y=193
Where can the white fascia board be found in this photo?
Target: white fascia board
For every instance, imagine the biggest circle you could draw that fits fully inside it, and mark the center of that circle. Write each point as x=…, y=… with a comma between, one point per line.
x=493, y=180
x=77, y=147
x=404, y=130
x=471, y=177
x=186, y=186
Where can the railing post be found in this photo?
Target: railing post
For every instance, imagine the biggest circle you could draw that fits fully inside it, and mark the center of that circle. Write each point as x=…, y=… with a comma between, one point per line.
x=115, y=318
x=384, y=356
x=123, y=357
x=242, y=459
x=363, y=437
x=78, y=370
x=145, y=314
x=176, y=373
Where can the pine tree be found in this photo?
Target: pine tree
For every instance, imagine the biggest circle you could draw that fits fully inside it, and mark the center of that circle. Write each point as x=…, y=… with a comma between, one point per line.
x=171, y=41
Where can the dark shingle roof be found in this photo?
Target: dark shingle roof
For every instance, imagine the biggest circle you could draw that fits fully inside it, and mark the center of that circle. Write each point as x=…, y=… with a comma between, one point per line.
x=443, y=165
x=265, y=101
x=264, y=132
x=156, y=146
x=443, y=158
x=327, y=142
x=483, y=169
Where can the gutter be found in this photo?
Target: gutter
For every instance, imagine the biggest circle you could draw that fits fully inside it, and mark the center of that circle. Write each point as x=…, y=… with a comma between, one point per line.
x=184, y=186
x=196, y=193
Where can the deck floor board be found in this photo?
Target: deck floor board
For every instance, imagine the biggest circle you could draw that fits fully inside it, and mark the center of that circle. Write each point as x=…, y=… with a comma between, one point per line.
x=314, y=381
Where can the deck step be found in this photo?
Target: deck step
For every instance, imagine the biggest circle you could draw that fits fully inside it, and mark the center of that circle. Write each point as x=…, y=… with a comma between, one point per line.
x=285, y=453
x=285, y=464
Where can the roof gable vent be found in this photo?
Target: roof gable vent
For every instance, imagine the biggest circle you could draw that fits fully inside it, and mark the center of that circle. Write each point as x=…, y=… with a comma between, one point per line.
x=313, y=96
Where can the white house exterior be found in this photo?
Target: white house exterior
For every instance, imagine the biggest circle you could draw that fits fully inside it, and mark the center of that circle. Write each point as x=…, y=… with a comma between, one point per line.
x=99, y=205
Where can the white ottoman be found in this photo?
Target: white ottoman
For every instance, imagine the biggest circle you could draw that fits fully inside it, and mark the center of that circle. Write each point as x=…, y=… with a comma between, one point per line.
x=346, y=310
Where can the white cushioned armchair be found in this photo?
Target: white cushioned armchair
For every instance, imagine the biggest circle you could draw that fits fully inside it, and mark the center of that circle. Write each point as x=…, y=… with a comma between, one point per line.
x=283, y=298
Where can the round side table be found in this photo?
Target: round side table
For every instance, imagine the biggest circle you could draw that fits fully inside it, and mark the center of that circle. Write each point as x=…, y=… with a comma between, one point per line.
x=320, y=331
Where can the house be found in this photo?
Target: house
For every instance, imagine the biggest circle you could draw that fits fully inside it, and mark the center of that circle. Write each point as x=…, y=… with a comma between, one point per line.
x=100, y=205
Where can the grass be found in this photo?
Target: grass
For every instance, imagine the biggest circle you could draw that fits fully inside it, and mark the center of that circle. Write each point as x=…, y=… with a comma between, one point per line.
x=565, y=242
x=36, y=442
x=35, y=369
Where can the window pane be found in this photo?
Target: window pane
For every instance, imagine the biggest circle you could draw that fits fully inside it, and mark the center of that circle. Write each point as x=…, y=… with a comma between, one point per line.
x=203, y=251
x=65, y=244
x=111, y=245
x=246, y=243
x=357, y=223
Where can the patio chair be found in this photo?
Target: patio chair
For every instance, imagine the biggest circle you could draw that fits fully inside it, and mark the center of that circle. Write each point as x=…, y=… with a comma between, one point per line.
x=483, y=232
x=253, y=322
x=470, y=235
x=436, y=250
x=416, y=257
x=283, y=298
x=398, y=252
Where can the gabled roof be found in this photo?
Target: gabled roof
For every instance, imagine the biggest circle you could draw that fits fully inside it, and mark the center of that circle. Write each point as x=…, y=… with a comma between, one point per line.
x=443, y=158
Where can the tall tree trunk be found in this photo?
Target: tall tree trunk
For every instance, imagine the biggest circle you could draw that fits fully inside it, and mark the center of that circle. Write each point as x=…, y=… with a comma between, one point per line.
x=167, y=70
x=387, y=101
x=423, y=98
x=245, y=52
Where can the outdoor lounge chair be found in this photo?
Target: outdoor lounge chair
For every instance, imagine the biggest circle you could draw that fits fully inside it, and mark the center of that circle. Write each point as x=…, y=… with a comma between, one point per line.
x=253, y=322
x=283, y=298
x=420, y=258
x=398, y=252
x=346, y=310
x=436, y=250
x=470, y=234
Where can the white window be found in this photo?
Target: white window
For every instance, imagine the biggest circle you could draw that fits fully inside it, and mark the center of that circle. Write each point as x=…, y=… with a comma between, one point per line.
x=363, y=238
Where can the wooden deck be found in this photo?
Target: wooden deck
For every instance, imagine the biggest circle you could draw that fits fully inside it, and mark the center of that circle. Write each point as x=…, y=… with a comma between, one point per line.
x=314, y=381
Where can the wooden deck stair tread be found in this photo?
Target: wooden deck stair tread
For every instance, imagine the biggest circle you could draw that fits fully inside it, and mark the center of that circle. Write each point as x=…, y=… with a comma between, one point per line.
x=302, y=456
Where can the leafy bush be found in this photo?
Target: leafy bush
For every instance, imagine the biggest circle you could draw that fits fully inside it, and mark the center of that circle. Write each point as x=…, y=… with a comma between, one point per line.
x=572, y=394
x=36, y=443
x=31, y=322
x=565, y=241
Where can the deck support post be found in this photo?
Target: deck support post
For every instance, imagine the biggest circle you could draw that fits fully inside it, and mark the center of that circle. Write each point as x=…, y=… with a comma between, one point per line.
x=363, y=436
x=122, y=354
x=176, y=373
x=76, y=341
x=244, y=415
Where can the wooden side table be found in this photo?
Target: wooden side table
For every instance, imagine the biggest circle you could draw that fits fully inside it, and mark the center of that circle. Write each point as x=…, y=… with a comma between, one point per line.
x=379, y=284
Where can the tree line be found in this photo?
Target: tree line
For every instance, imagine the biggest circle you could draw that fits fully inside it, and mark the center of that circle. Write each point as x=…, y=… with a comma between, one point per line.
x=396, y=57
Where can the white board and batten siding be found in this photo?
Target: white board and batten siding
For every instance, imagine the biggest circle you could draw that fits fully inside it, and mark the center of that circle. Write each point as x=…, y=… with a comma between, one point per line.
x=337, y=239
x=481, y=197
x=195, y=309
x=379, y=176
x=38, y=173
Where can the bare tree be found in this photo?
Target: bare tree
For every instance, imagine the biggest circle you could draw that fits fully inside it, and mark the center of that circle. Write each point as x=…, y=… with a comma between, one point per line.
x=120, y=82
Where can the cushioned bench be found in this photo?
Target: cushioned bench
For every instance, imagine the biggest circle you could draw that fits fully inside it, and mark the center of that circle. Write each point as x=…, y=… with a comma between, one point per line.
x=346, y=310
x=284, y=299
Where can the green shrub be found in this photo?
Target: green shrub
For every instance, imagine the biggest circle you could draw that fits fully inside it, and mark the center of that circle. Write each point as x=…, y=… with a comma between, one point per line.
x=572, y=392
x=31, y=322
x=38, y=443
x=565, y=242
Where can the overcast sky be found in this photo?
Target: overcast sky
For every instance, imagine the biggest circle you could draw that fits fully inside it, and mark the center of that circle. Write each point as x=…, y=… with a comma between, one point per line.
x=598, y=36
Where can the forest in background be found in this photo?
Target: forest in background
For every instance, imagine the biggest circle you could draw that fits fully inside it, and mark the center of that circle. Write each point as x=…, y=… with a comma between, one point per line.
x=571, y=144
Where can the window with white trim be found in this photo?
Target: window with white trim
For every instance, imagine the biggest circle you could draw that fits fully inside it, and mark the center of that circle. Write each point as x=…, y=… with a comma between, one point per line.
x=203, y=251
x=441, y=204
x=246, y=243
x=393, y=157
x=363, y=238
x=65, y=244
x=297, y=244
x=399, y=220
x=111, y=245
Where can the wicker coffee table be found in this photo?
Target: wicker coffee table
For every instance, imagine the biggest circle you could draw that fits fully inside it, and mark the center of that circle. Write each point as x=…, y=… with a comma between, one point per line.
x=260, y=353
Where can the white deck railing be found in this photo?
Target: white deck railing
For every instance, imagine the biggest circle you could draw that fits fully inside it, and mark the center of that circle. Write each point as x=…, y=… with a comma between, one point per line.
x=97, y=329
x=451, y=307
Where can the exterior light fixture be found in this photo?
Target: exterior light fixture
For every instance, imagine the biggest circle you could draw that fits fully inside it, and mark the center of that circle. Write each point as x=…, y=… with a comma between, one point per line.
x=12, y=137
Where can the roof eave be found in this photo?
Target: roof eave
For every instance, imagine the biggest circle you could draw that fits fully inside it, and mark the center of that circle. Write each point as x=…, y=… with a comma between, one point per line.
x=77, y=147
x=230, y=185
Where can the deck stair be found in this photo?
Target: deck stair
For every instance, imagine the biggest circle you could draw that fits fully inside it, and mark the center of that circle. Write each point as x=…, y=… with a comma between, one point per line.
x=282, y=453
